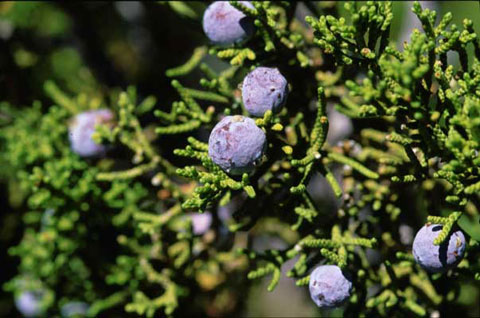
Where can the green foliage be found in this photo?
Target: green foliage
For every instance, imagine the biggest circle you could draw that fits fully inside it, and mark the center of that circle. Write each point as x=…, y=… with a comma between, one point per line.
x=413, y=159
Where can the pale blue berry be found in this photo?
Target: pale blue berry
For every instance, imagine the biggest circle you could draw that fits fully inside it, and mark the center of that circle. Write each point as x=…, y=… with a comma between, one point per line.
x=236, y=144
x=201, y=222
x=82, y=128
x=224, y=24
x=438, y=258
x=264, y=89
x=74, y=309
x=329, y=287
x=29, y=303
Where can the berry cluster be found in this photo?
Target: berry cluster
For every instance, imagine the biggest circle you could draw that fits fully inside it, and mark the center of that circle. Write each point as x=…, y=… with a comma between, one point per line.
x=236, y=144
x=331, y=185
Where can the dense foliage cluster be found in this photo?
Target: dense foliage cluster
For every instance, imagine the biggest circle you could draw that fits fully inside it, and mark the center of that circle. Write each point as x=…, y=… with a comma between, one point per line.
x=135, y=207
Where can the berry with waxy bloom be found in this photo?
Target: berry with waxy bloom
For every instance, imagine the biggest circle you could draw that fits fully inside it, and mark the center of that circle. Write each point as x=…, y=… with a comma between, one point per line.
x=81, y=129
x=329, y=287
x=29, y=303
x=264, y=89
x=224, y=24
x=74, y=309
x=438, y=258
x=201, y=222
x=236, y=144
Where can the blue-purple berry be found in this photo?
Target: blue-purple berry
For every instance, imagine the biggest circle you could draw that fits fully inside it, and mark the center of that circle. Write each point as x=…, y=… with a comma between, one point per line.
x=74, y=309
x=264, y=89
x=438, y=258
x=82, y=128
x=236, y=144
x=329, y=287
x=29, y=303
x=224, y=24
x=201, y=222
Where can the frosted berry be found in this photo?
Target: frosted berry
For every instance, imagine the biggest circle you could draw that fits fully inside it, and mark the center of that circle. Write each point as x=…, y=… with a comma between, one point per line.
x=81, y=129
x=236, y=144
x=201, y=222
x=29, y=303
x=329, y=287
x=74, y=309
x=264, y=89
x=224, y=24
x=438, y=258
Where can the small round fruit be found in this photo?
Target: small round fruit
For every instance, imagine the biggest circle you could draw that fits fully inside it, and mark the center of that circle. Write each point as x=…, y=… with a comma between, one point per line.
x=82, y=128
x=74, y=309
x=329, y=287
x=224, y=24
x=29, y=303
x=201, y=222
x=438, y=258
x=236, y=144
x=264, y=89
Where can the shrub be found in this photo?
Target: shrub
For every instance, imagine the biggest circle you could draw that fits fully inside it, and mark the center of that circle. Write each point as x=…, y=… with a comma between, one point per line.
x=114, y=231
